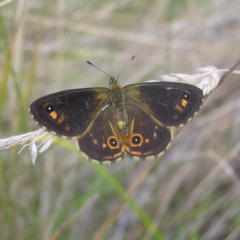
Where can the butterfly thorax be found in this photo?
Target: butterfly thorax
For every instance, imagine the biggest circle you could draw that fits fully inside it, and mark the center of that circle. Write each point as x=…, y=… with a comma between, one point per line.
x=118, y=105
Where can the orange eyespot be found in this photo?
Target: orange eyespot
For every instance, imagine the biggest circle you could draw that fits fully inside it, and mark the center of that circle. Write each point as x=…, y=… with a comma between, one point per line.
x=113, y=142
x=137, y=140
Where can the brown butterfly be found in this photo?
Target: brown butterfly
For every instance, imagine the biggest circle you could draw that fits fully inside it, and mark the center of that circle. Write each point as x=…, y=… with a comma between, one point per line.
x=137, y=119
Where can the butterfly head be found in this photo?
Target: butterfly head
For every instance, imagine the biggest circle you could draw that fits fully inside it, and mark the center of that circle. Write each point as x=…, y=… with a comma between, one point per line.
x=112, y=81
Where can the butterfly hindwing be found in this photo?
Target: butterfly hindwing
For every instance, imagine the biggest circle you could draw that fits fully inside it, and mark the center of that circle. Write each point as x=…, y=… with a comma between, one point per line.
x=69, y=113
x=147, y=137
x=102, y=140
x=170, y=103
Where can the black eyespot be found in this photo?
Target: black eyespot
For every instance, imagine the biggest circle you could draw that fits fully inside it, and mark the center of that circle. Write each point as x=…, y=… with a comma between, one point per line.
x=136, y=140
x=185, y=96
x=49, y=108
x=113, y=142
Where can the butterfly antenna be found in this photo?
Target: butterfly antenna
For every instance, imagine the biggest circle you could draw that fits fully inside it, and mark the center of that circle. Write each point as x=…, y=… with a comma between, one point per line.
x=98, y=68
x=125, y=66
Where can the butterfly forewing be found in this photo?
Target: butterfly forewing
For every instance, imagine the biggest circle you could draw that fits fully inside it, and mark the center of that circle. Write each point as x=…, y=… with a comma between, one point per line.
x=69, y=113
x=170, y=103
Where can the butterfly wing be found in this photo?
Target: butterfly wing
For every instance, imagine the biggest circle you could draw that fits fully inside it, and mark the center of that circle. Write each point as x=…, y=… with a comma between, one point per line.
x=170, y=103
x=102, y=140
x=69, y=113
x=147, y=137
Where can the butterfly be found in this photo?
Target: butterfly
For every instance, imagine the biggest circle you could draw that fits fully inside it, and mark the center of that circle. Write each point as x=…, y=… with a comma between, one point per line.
x=109, y=123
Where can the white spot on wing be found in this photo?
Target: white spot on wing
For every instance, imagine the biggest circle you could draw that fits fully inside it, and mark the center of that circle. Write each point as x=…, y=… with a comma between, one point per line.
x=104, y=107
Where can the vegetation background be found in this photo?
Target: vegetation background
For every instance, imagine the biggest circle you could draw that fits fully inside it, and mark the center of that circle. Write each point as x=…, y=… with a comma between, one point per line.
x=192, y=192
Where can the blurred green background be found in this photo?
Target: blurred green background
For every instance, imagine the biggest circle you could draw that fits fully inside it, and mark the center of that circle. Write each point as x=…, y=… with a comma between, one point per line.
x=192, y=192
